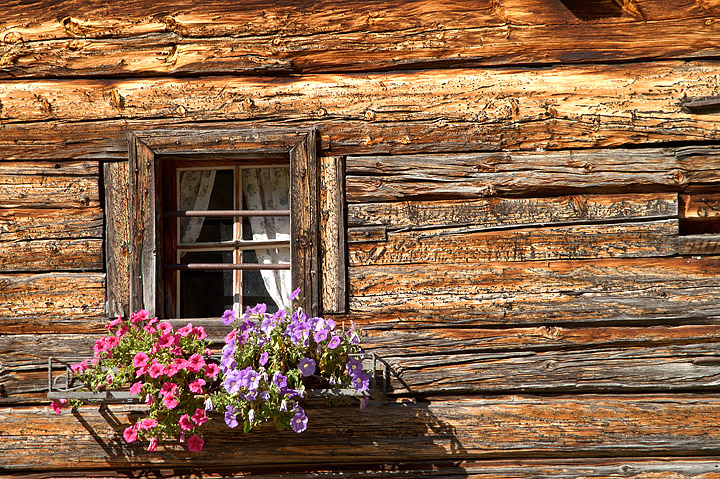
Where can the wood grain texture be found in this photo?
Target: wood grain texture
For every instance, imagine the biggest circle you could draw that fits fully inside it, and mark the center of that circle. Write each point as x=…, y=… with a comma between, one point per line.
x=509, y=108
x=572, y=292
x=510, y=212
x=458, y=428
x=704, y=207
x=603, y=468
x=660, y=368
x=458, y=246
x=26, y=224
x=392, y=178
x=315, y=36
x=51, y=302
x=24, y=191
x=41, y=255
x=333, y=250
x=117, y=240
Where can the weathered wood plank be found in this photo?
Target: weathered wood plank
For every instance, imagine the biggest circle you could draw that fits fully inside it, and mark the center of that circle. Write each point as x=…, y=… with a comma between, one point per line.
x=17, y=224
x=106, y=140
x=466, y=245
x=573, y=292
x=699, y=245
x=661, y=368
x=51, y=302
x=398, y=177
x=216, y=18
x=282, y=37
x=496, y=427
x=510, y=108
x=537, y=360
x=603, y=468
x=420, y=47
x=57, y=191
x=52, y=255
x=117, y=242
x=510, y=212
x=700, y=207
x=333, y=250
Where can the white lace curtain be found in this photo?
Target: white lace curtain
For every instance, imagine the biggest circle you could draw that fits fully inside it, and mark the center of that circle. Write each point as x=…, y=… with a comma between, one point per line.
x=263, y=189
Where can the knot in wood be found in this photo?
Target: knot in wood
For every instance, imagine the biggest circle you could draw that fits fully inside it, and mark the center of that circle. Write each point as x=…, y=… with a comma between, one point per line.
x=679, y=177
x=550, y=365
x=588, y=167
x=12, y=37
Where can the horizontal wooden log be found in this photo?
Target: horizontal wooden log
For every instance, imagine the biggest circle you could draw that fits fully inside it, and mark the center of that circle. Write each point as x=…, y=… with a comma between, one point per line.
x=51, y=302
x=602, y=468
x=458, y=246
x=439, y=429
x=317, y=37
x=572, y=292
x=437, y=361
x=510, y=212
x=19, y=190
x=663, y=368
x=699, y=245
x=18, y=224
x=107, y=140
x=399, y=177
x=266, y=17
x=510, y=108
x=52, y=255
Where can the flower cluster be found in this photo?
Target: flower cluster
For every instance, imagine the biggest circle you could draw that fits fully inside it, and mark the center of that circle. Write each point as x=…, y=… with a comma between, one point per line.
x=267, y=363
x=269, y=359
x=171, y=371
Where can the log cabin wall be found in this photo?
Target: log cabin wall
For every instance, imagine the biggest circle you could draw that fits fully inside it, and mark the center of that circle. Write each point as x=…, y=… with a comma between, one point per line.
x=531, y=201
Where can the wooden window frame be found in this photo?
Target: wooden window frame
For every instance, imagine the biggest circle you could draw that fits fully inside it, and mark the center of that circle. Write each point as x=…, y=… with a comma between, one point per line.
x=148, y=149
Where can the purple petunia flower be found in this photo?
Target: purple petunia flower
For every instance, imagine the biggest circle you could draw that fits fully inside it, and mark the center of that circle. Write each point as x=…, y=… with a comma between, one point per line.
x=299, y=421
x=354, y=367
x=231, y=420
x=232, y=381
x=307, y=366
x=280, y=380
x=264, y=358
x=228, y=317
x=294, y=294
x=320, y=336
x=334, y=342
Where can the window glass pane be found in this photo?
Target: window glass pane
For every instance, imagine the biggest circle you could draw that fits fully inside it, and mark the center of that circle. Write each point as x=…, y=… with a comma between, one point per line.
x=206, y=189
x=206, y=293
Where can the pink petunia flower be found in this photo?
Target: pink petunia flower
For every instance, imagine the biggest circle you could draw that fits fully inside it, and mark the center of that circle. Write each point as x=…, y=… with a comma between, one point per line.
x=153, y=444
x=164, y=327
x=140, y=360
x=195, y=363
x=170, y=401
x=195, y=443
x=114, y=322
x=169, y=388
x=185, y=423
x=212, y=370
x=130, y=434
x=147, y=423
x=199, y=332
x=57, y=405
x=196, y=386
x=136, y=387
x=185, y=330
x=141, y=315
x=156, y=369
x=200, y=417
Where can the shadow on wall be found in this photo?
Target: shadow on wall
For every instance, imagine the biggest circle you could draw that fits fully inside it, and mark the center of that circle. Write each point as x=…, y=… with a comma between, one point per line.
x=399, y=439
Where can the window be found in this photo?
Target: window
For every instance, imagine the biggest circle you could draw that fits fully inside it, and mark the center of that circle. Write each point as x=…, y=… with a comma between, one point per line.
x=202, y=238
x=227, y=237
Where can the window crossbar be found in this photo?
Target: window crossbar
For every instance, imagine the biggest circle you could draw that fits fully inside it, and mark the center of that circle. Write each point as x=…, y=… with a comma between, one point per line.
x=224, y=213
x=231, y=245
x=225, y=266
